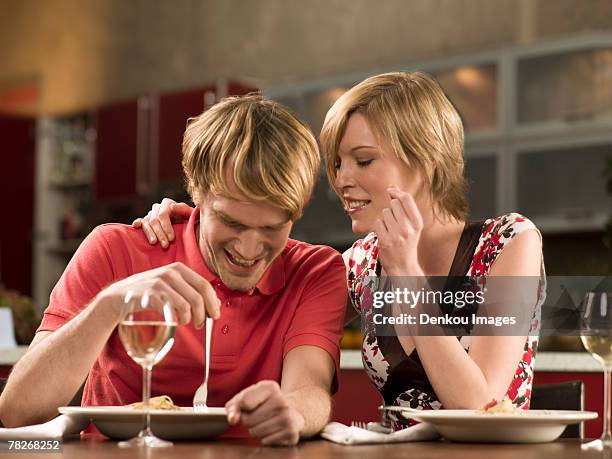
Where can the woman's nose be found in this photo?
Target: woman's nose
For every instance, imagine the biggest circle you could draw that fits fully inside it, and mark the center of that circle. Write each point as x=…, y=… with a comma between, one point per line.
x=343, y=177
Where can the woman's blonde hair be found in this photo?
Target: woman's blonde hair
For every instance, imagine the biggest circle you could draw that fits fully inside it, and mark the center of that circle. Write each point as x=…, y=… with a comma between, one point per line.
x=412, y=113
x=273, y=156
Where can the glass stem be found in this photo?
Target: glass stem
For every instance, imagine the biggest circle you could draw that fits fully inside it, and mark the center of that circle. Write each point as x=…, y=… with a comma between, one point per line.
x=606, y=436
x=146, y=396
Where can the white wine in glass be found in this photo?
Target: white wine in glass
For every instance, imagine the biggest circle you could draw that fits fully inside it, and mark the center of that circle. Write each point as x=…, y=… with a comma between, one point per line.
x=596, y=336
x=600, y=347
x=146, y=342
x=147, y=333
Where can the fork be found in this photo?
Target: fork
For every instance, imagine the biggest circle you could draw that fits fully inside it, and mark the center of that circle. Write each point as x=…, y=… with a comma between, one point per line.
x=371, y=426
x=199, y=399
x=359, y=425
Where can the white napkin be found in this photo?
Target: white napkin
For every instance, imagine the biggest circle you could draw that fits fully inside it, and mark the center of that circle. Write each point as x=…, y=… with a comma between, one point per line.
x=339, y=433
x=62, y=427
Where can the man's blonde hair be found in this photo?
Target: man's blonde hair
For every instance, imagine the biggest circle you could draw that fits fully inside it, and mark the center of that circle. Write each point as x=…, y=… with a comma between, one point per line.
x=411, y=112
x=272, y=155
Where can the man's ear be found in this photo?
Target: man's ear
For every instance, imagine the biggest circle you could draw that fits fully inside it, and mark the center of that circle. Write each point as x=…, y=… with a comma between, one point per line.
x=193, y=192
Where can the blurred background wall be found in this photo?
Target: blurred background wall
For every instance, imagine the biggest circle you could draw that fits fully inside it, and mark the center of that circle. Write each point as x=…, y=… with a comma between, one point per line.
x=94, y=96
x=89, y=52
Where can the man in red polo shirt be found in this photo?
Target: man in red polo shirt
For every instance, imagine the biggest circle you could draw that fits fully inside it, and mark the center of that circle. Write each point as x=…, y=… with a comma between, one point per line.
x=279, y=304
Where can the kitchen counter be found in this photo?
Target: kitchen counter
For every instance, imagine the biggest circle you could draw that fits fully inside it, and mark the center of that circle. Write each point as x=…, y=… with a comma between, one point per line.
x=545, y=361
x=9, y=356
x=351, y=360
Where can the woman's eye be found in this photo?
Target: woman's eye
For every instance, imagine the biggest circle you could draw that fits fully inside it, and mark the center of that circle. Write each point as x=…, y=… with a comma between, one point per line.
x=364, y=163
x=337, y=165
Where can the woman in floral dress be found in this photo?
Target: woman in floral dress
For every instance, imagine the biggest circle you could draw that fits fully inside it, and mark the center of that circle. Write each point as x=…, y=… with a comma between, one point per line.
x=393, y=146
x=394, y=152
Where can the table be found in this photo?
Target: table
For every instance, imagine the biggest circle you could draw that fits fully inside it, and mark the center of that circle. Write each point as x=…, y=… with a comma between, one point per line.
x=551, y=367
x=316, y=449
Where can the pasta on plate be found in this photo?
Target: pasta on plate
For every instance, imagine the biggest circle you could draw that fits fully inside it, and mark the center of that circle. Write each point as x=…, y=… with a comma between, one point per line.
x=162, y=402
x=505, y=406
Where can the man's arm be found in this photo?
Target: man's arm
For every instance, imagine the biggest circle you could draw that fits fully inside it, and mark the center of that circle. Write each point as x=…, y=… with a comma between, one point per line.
x=57, y=362
x=307, y=377
x=298, y=408
x=55, y=366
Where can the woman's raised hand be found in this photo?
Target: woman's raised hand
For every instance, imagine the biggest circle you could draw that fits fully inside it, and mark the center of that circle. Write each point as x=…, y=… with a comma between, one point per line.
x=157, y=224
x=399, y=230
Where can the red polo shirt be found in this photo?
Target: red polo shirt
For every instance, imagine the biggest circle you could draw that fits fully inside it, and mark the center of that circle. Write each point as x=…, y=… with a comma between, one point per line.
x=299, y=301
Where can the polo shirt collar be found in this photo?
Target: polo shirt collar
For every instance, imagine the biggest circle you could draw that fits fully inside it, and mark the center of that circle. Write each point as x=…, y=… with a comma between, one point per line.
x=272, y=281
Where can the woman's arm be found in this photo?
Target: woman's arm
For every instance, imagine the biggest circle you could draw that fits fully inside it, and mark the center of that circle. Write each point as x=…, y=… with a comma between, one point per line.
x=469, y=380
x=460, y=379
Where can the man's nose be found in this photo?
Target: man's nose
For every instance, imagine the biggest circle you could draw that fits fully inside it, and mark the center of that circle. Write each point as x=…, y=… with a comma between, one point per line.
x=249, y=244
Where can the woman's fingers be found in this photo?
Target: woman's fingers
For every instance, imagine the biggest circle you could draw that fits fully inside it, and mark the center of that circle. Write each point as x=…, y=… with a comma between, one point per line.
x=157, y=224
x=180, y=212
x=163, y=218
x=381, y=232
x=158, y=232
x=398, y=231
x=163, y=215
x=143, y=223
x=391, y=222
x=409, y=206
x=405, y=226
x=153, y=220
x=151, y=236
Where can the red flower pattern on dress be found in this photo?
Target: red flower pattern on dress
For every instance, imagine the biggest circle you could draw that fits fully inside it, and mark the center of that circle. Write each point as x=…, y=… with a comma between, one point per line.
x=367, y=299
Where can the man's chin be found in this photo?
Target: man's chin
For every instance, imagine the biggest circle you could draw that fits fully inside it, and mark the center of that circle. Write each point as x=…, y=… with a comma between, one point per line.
x=239, y=284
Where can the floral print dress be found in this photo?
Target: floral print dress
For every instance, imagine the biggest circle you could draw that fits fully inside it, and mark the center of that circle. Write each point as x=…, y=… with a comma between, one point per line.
x=400, y=378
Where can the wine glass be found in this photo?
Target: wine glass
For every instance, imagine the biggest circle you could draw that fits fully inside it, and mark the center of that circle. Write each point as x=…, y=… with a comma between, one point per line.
x=596, y=335
x=147, y=333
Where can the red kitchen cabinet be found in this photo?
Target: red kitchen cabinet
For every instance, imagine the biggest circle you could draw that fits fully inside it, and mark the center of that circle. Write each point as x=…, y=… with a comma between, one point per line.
x=138, y=142
x=5, y=370
x=17, y=174
x=174, y=110
x=356, y=399
x=116, y=150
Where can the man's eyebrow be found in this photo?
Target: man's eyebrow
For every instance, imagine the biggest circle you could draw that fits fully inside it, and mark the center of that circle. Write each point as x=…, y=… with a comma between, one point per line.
x=232, y=220
x=224, y=216
x=228, y=219
x=276, y=226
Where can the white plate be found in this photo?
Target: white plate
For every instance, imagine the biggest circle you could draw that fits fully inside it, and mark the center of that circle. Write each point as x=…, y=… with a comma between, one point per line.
x=121, y=423
x=529, y=426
